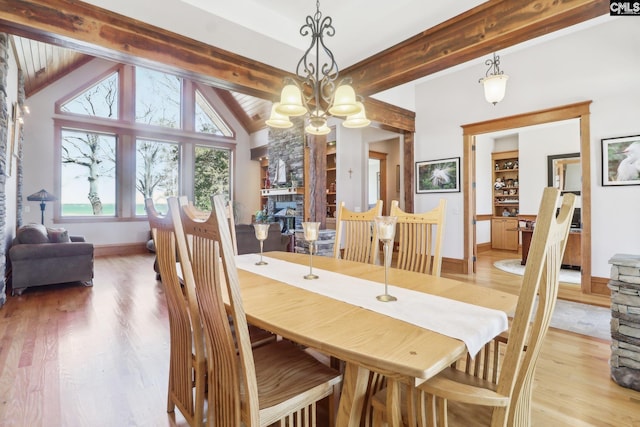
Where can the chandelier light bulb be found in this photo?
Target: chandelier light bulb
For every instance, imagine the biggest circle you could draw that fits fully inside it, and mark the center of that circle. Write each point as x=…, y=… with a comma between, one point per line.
x=291, y=101
x=277, y=120
x=358, y=120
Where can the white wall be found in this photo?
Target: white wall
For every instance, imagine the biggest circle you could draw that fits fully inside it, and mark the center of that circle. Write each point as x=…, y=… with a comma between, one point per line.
x=599, y=63
x=39, y=163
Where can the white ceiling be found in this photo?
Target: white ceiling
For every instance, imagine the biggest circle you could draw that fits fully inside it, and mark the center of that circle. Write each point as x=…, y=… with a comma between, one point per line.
x=269, y=30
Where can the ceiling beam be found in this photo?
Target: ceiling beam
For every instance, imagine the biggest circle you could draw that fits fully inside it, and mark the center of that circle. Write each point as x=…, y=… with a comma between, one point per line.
x=491, y=26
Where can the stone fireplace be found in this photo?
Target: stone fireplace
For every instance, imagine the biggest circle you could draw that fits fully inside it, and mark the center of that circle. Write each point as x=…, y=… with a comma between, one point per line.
x=625, y=320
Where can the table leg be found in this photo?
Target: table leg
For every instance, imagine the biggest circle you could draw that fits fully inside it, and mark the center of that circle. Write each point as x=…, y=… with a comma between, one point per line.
x=354, y=388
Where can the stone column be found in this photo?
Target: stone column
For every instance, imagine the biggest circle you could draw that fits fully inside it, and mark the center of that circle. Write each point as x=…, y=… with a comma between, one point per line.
x=625, y=320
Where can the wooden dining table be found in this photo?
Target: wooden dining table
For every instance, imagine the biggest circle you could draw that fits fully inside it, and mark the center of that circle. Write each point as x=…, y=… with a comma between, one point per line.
x=364, y=339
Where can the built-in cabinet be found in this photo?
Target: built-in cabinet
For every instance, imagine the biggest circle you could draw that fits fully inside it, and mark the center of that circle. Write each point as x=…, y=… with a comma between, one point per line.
x=331, y=185
x=265, y=182
x=506, y=200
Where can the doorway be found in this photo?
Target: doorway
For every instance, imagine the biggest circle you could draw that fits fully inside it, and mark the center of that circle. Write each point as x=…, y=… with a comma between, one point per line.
x=579, y=111
x=377, y=179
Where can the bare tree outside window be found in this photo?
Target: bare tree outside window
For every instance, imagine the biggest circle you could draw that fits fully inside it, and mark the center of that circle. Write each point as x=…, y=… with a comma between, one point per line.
x=157, y=98
x=212, y=175
x=100, y=100
x=157, y=167
x=88, y=170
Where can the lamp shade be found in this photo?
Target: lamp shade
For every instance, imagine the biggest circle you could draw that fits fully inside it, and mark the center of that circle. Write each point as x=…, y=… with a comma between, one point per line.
x=495, y=87
x=344, y=101
x=291, y=101
x=277, y=120
x=42, y=196
x=358, y=120
x=318, y=130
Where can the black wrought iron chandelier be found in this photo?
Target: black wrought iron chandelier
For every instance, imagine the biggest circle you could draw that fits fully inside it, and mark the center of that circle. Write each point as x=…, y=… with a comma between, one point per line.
x=315, y=93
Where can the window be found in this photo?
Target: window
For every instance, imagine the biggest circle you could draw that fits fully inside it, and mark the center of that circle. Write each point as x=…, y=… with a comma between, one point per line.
x=157, y=98
x=100, y=100
x=157, y=165
x=111, y=160
x=88, y=174
x=212, y=172
x=208, y=120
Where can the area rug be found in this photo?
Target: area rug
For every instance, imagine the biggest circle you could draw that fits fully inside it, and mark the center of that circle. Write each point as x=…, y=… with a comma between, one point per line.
x=513, y=266
x=570, y=316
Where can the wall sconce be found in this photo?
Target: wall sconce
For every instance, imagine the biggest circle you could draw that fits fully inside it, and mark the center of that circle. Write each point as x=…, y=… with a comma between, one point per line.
x=495, y=81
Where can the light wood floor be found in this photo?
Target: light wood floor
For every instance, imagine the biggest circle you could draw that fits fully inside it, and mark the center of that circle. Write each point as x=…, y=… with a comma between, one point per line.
x=75, y=356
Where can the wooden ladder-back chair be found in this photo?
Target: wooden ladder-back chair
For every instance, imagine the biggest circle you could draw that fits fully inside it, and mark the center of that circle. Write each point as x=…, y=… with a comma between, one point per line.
x=457, y=398
x=356, y=234
x=187, y=360
x=198, y=214
x=420, y=237
x=277, y=382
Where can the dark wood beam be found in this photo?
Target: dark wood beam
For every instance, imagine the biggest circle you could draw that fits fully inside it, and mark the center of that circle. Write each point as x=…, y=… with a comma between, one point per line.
x=494, y=25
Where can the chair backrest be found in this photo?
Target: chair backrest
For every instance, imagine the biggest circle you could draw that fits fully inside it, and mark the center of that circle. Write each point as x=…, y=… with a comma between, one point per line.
x=197, y=214
x=356, y=233
x=530, y=325
x=210, y=268
x=185, y=327
x=420, y=237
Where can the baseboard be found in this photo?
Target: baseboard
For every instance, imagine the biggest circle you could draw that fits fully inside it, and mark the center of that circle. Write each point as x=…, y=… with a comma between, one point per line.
x=453, y=266
x=120, y=250
x=482, y=247
x=599, y=286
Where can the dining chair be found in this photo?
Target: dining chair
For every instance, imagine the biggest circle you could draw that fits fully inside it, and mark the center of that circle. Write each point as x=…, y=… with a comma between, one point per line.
x=187, y=360
x=454, y=397
x=356, y=236
x=198, y=214
x=420, y=237
x=277, y=382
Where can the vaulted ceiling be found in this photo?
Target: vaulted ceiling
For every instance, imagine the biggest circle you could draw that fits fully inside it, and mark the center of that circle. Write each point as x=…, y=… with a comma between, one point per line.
x=453, y=36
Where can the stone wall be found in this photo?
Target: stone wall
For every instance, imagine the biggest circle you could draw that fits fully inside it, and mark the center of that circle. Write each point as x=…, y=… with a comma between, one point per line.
x=4, y=140
x=625, y=320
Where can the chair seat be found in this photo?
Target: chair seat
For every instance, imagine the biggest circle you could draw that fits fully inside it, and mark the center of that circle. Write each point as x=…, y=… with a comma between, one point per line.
x=459, y=386
x=284, y=373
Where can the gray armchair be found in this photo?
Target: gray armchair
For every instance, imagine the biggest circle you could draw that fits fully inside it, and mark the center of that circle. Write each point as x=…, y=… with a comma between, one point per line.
x=41, y=256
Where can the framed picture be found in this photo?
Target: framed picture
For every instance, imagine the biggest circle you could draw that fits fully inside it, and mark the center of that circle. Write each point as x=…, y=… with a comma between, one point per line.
x=438, y=176
x=621, y=161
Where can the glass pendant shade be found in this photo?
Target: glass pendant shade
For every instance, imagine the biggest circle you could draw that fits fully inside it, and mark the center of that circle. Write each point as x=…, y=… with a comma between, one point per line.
x=277, y=120
x=318, y=130
x=291, y=101
x=358, y=120
x=344, y=102
x=495, y=87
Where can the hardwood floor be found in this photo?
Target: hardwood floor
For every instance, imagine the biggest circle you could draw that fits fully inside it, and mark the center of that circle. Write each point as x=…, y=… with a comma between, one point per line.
x=75, y=356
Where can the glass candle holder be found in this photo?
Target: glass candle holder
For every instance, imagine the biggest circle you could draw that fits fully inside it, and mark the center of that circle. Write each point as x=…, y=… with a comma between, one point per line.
x=311, y=232
x=386, y=230
x=262, y=231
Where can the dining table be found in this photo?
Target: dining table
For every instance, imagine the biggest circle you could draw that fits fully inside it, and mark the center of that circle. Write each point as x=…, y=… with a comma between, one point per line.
x=366, y=333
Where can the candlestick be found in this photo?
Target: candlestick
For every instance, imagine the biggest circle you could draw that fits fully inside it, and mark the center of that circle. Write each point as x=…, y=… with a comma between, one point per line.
x=386, y=229
x=262, y=231
x=311, y=232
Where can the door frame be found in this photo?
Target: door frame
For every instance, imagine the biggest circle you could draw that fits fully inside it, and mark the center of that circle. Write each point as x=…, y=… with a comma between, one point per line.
x=382, y=157
x=578, y=110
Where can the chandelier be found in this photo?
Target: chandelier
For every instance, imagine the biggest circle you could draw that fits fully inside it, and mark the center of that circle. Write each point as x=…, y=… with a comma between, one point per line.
x=314, y=93
x=495, y=84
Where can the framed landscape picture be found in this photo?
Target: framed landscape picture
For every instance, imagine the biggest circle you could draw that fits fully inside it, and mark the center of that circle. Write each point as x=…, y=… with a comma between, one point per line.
x=438, y=176
x=621, y=161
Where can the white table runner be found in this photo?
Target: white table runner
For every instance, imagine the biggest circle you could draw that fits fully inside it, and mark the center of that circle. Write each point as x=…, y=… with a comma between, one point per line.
x=472, y=324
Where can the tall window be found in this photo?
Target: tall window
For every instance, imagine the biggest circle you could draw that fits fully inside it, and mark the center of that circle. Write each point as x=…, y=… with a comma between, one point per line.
x=157, y=165
x=157, y=98
x=212, y=172
x=88, y=174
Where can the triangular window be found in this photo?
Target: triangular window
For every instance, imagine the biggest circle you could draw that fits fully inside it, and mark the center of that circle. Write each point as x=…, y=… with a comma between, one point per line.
x=207, y=118
x=100, y=100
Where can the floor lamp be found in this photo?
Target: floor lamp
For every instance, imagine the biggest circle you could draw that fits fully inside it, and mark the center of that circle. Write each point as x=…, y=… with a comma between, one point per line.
x=42, y=196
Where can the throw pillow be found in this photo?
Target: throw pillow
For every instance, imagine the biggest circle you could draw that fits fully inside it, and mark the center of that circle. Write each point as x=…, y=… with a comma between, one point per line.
x=32, y=233
x=58, y=235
